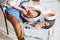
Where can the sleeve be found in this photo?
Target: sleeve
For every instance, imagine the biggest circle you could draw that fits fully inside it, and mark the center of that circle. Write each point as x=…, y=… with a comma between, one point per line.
x=12, y=2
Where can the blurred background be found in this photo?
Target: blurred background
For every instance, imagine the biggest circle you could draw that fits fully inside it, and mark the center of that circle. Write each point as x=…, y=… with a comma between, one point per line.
x=49, y=4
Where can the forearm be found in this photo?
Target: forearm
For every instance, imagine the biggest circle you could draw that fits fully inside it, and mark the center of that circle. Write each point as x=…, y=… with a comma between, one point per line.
x=20, y=9
x=16, y=7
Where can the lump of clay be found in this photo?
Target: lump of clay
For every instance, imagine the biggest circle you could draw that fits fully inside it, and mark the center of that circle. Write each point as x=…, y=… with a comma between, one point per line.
x=32, y=13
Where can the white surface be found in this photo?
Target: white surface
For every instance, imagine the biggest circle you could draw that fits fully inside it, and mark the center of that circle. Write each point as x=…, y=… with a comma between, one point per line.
x=42, y=33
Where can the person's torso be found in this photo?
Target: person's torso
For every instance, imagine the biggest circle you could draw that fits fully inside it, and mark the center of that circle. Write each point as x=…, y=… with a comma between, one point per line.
x=13, y=2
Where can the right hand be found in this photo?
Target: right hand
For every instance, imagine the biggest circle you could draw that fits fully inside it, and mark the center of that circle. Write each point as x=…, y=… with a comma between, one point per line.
x=24, y=12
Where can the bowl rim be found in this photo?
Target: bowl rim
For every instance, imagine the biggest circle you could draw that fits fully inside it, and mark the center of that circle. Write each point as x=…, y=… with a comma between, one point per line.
x=49, y=11
x=34, y=17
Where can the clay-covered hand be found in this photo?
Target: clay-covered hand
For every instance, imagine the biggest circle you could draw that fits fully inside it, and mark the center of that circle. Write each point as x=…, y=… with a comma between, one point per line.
x=32, y=13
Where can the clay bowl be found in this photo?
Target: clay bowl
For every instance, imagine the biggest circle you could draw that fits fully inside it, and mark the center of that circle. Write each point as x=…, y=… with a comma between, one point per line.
x=49, y=15
x=32, y=18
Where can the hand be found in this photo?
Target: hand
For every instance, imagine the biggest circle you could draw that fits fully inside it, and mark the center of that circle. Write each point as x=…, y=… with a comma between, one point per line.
x=32, y=13
x=24, y=12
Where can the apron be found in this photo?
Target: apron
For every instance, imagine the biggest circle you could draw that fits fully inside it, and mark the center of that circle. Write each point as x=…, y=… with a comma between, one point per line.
x=15, y=13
